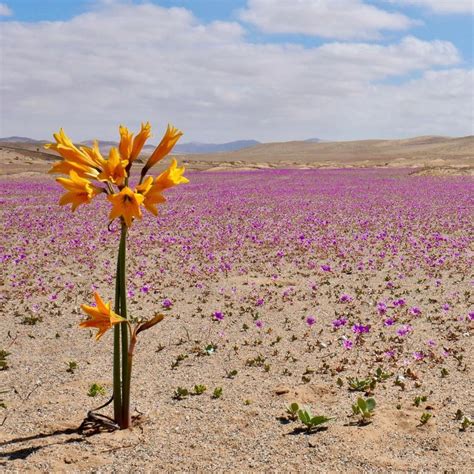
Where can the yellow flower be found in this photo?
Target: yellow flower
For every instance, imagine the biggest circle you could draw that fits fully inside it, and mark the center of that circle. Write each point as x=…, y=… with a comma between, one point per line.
x=80, y=190
x=126, y=204
x=171, y=177
x=83, y=161
x=138, y=142
x=152, y=196
x=94, y=154
x=126, y=142
x=114, y=168
x=167, y=143
x=101, y=317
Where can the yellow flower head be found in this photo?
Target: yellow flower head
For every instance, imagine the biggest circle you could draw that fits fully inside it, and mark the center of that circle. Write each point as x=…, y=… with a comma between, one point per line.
x=101, y=317
x=126, y=143
x=126, y=204
x=167, y=143
x=171, y=177
x=114, y=168
x=75, y=159
x=80, y=190
x=152, y=195
x=138, y=142
x=94, y=154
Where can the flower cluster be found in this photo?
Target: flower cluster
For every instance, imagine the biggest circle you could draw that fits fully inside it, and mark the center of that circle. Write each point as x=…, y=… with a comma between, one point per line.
x=85, y=164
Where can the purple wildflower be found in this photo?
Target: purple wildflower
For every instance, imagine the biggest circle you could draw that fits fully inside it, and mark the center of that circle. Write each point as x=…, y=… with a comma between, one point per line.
x=402, y=331
x=381, y=308
x=337, y=323
x=218, y=316
x=415, y=311
x=167, y=303
x=390, y=354
x=347, y=343
x=345, y=298
x=259, y=323
x=310, y=320
x=325, y=268
x=360, y=328
x=418, y=355
x=400, y=302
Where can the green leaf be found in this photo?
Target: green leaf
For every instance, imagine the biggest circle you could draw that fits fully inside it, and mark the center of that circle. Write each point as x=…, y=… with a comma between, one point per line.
x=370, y=403
x=305, y=417
x=294, y=407
x=319, y=420
x=362, y=405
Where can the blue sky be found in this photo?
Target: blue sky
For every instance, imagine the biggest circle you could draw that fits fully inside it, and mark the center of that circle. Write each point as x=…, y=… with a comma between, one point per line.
x=311, y=61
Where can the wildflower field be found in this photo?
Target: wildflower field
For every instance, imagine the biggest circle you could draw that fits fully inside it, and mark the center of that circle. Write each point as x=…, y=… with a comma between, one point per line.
x=314, y=287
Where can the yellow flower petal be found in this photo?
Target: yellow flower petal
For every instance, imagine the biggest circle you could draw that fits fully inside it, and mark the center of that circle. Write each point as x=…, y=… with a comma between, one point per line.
x=167, y=143
x=138, y=142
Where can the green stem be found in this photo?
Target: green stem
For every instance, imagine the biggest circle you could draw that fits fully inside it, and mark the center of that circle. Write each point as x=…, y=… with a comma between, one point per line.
x=125, y=417
x=116, y=372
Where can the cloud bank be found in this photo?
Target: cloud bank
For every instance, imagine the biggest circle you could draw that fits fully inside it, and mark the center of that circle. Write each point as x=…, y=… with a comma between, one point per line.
x=130, y=63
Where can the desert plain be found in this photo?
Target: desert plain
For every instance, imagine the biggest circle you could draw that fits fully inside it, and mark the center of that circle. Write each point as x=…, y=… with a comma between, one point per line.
x=314, y=273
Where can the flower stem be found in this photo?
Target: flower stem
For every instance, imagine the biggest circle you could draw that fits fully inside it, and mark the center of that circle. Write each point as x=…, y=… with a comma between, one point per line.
x=117, y=328
x=125, y=416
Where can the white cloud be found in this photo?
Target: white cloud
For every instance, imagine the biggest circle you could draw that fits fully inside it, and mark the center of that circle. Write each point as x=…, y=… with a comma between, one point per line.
x=340, y=19
x=143, y=62
x=5, y=10
x=442, y=6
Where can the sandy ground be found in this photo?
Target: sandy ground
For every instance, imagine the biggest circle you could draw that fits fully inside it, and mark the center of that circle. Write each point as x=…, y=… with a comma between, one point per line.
x=262, y=262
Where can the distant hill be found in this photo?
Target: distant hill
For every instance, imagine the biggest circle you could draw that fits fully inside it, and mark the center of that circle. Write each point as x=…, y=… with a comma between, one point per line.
x=20, y=140
x=197, y=147
x=187, y=148
x=313, y=140
x=418, y=151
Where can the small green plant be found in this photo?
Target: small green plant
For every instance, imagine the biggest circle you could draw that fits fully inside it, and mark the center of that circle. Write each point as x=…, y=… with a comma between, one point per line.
x=381, y=376
x=311, y=422
x=420, y=399
x=180, y=393
x=364, y=408
x=71, y=366
x=339, y=382
x=178, y=360
x=217, y=393
x=210, y=349
x=199, y=389
x=231, y=374
x=258, y=361
x=96, y=389
x=292, y=411
x=3, y=359
x=444, y=373
x=361, y=385
x=425, y=417
x=466, y=423
x=400, y=382
x=247, y=402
